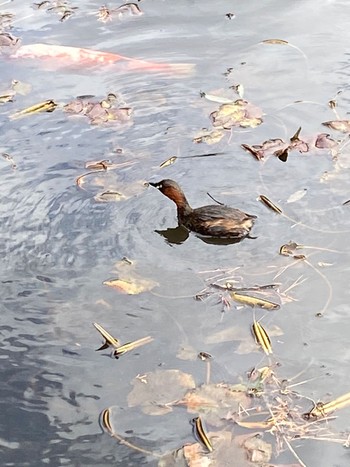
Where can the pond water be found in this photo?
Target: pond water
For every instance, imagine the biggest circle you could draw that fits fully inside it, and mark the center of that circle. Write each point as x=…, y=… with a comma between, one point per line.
x=59, y=244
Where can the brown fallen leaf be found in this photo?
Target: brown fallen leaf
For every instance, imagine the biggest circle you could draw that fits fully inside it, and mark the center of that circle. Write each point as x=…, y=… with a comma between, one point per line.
x=157, y=391
x=339, y=125
x=131, y=286
x=211, y=137
x=237, y=114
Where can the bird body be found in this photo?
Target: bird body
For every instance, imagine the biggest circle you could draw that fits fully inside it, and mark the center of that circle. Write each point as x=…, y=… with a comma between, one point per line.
x=213, y=220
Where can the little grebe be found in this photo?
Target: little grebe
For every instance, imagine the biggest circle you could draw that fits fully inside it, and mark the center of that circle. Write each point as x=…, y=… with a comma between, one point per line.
x=214, y=220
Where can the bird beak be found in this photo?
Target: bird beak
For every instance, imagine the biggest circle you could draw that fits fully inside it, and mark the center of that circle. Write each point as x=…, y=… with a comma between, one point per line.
x=153, y=184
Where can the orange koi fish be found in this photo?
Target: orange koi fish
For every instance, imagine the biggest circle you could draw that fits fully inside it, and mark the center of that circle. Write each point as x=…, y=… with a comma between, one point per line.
x=79, y=56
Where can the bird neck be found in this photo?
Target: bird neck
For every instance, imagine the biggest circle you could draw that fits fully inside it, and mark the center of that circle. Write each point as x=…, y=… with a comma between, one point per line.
x=183, y=207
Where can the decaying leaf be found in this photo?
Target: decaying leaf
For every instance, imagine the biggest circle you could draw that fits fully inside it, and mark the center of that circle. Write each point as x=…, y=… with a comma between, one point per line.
x=265, y=200
x=227, y=451
x=9, y=159
x=237, y=114
x=209, y=137
x=128, y=9
x=324, y=141
x=99, y=112
x=215, y=401
x=262, y=337
x=339, y=125
x=158, y=390
x=259, y=451
x=280, y=148
x=8, y=40
x=249, y=300
x=60, y=7
x=289, y=249
x=46, y=106
x=132, y=286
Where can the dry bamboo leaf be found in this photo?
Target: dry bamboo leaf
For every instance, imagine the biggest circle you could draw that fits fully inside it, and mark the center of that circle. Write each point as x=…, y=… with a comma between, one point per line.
x=262, y=337
x=109, y=339
x=46, y=106
x=254, y=301
x=265, y=200
x=323, y=410
x=106, y=420
x=170, y=161
x=275, y=41
x=200, y=434
x=132, y=346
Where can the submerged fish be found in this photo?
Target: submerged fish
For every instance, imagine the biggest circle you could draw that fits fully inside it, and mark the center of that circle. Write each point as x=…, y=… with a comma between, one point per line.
x=66, y=56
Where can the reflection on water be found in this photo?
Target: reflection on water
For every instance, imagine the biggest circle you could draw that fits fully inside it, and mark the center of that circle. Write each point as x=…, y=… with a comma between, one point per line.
x=59, y=243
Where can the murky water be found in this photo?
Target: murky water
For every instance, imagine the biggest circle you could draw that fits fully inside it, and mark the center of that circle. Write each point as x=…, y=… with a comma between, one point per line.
x=59, y=244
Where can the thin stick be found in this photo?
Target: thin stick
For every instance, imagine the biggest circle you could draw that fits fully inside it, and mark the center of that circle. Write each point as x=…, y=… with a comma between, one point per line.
x=293, y=452
x=134, y=447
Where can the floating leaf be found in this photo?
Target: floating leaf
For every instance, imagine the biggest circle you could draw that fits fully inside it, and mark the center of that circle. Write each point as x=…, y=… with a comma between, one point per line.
x=107, y=110
x=211, y=137
x=271, y=146
x=156, y=392
x=169, y=161
x=262, y=337
x=215, y=400
x=324, y=141
x=297, y=196
x=108, y=196
x=265, y=200
x=289, y=250
x=254, y=301
x=259, y=451
x=218, y=99
x=7, y=40
x=132, y=286
x=9, y=159
x=46, y=106
x=237, y=114
x=128, y=9
x=339, y=125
